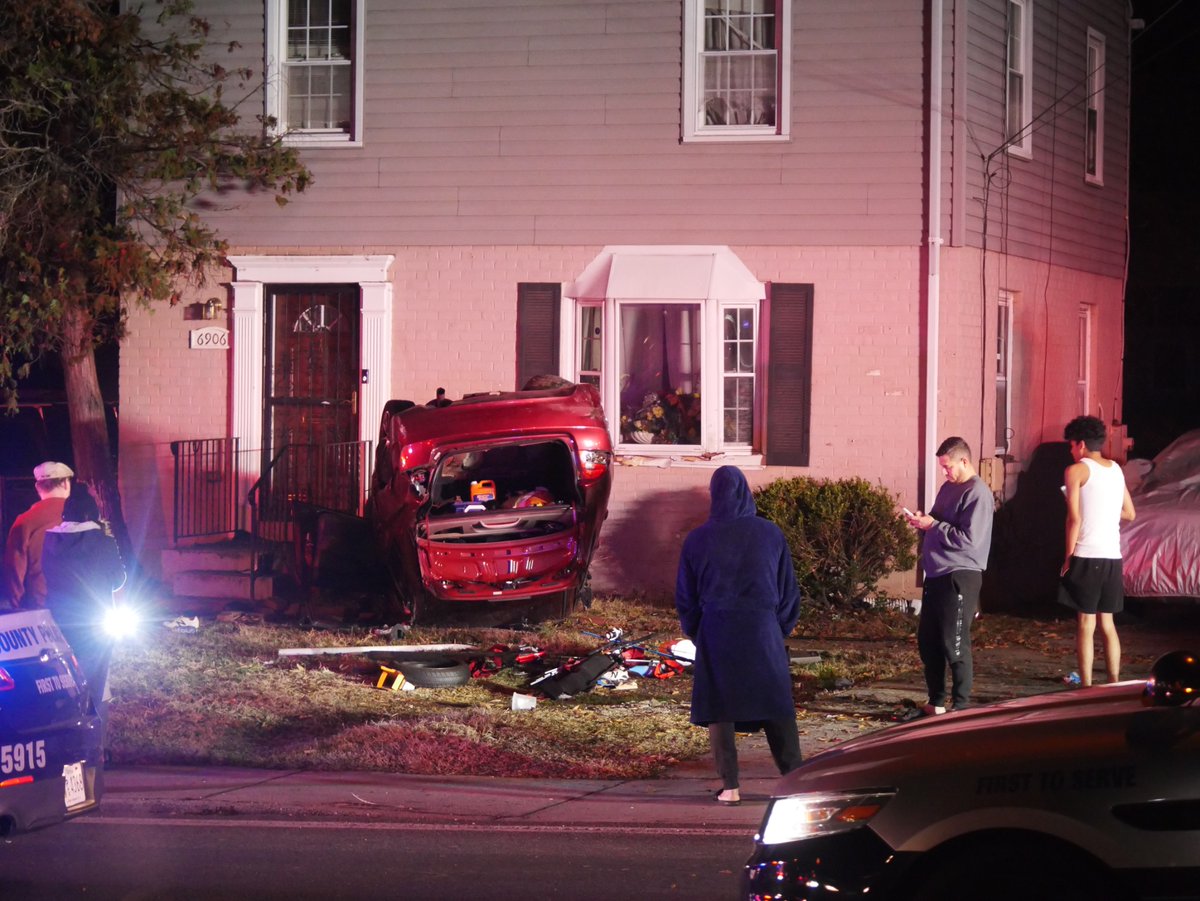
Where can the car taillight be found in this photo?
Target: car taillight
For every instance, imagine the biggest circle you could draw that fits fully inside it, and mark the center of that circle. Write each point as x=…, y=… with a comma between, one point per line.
x=593, y=464
x=6, y=681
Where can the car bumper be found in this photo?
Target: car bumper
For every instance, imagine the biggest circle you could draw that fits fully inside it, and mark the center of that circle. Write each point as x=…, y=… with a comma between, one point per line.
x=31, y=805
x=835, y=866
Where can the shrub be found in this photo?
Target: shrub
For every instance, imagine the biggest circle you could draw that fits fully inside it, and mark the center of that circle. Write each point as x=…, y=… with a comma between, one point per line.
x=845, y=535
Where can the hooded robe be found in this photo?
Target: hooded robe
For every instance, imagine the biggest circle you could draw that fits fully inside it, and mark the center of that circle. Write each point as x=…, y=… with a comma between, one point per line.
x=737, y=599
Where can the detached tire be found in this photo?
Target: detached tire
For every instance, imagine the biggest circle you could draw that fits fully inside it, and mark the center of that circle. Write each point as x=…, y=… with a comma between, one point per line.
x=436, y=672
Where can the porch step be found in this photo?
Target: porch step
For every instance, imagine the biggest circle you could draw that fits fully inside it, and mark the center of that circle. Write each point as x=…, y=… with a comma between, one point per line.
x=235, y=585
x=231, y=556
x=217, y=569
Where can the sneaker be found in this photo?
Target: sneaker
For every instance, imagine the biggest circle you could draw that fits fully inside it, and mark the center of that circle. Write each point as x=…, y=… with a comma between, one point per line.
x=932, y=710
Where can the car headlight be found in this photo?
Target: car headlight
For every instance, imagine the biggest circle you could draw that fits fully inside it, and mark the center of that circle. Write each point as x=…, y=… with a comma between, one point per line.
x=809, y=815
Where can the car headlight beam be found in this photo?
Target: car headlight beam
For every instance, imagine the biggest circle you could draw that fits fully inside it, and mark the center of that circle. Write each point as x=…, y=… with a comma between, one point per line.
x=809, y=815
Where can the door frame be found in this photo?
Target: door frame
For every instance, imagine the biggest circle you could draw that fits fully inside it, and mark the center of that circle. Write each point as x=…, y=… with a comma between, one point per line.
x=247, y=311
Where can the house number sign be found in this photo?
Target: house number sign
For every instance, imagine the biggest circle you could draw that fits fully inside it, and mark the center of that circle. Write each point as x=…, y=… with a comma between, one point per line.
x=211, y=337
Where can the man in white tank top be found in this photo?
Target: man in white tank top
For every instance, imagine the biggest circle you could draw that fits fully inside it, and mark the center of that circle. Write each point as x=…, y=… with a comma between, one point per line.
x=1097, y=501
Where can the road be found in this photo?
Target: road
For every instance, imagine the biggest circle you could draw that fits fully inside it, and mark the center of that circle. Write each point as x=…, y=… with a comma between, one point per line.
x=152, y=859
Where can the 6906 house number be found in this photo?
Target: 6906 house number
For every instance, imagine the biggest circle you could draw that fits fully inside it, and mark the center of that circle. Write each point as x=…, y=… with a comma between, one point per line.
x=212, y=337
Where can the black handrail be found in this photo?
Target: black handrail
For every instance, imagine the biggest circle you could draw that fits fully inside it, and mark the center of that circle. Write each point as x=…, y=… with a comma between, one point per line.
x=205, y=487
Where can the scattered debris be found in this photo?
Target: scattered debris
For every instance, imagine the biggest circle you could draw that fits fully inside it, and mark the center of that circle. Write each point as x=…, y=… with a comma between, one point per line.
x=183, y=624
x=393, y=680
x=523, y=701
x=375, y=649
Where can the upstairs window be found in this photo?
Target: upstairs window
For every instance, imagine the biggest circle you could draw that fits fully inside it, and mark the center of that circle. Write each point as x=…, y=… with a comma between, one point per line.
x=1093, y=151
x=1019, y=89
x=314, y=64
x=737, y=67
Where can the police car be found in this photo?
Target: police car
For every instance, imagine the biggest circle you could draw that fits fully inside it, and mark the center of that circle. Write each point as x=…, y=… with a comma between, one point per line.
x=50, y=741
x=1087, y=794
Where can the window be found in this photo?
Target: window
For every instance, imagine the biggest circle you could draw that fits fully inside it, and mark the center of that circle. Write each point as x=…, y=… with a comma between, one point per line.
x=1084, y=367
x=1019, y=90
x=314, y=65
x=685, y=376
x=1004, y=314
x=591, y=343
x=1094, y=130
x=737, y=69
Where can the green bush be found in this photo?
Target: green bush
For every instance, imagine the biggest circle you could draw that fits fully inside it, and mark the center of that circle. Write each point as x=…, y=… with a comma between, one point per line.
x=845, y=535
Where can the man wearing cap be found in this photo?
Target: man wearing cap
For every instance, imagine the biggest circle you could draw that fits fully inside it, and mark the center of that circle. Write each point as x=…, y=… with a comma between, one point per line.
x=23, y=583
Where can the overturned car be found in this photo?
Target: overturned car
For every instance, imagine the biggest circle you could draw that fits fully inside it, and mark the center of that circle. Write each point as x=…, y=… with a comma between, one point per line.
x=496, y=499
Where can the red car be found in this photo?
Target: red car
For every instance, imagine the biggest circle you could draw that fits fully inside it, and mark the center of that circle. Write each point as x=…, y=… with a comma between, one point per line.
x=494, y=499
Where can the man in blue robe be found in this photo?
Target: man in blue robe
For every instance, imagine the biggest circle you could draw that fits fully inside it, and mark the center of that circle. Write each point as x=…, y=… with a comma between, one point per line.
x=737, y=599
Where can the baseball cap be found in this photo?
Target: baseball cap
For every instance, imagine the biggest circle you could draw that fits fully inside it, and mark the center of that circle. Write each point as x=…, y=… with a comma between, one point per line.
x=52, y=470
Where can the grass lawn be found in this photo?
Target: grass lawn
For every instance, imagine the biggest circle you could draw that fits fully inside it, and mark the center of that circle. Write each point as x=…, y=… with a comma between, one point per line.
x=223, y=695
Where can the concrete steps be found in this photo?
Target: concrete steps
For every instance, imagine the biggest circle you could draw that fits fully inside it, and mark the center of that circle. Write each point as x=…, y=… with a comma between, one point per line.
x=216, y=569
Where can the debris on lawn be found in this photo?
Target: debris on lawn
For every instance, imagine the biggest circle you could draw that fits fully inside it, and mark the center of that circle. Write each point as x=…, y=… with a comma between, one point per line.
x=523, y=701
x=376, y=649
x=183, y=624
x=393, y=680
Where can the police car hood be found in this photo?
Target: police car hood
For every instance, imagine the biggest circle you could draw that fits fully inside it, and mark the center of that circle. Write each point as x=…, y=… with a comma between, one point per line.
x=1103, y=722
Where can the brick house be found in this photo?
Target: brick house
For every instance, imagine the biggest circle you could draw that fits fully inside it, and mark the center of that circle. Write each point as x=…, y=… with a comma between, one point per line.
x=840, y=229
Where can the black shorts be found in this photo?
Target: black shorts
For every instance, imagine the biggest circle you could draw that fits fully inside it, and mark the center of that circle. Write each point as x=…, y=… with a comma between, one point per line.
x=1093, y=585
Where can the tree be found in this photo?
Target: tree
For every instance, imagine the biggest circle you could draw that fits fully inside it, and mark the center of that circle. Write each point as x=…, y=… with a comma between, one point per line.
x=114, y=131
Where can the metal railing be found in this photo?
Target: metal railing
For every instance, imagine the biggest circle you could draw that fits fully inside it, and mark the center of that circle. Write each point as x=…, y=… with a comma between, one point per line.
x=206, y=495
x=328, y=476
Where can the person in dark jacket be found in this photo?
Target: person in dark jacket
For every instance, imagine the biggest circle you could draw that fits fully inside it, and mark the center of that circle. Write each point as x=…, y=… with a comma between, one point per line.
x=737, y=599
x=83, y=568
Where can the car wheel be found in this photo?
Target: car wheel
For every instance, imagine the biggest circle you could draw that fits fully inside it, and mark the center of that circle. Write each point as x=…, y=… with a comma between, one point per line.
x=997, y=868
x=437, y=672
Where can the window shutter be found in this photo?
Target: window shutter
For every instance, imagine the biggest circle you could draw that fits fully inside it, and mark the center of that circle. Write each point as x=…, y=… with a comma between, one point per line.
x=537, y=329
x=789, y=374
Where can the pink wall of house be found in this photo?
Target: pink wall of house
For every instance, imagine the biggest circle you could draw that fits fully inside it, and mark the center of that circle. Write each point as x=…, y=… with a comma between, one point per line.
x=454, y=321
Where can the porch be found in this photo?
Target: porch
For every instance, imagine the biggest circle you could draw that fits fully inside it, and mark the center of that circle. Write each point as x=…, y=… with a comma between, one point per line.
x=241, y=525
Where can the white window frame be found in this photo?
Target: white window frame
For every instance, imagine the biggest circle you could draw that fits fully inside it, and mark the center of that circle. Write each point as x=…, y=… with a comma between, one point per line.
x=712, y=373
x=1093, y=127
x=276, y=89
x=1003, y=358
x=1019, y=63
x=694, y=129
x=1083, y=372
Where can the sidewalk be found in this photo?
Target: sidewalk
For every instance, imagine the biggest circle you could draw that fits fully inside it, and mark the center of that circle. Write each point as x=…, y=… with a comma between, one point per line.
x=682, y=799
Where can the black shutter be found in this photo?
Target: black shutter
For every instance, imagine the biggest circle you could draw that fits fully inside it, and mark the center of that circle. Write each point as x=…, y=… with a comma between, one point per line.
x=789, y=328
x=537, y=329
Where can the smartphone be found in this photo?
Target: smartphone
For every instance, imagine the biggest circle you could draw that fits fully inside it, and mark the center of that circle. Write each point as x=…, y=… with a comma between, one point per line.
x=909, y=513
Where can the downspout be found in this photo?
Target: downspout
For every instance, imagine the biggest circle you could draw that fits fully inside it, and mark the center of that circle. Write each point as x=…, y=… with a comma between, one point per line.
x=933, y=238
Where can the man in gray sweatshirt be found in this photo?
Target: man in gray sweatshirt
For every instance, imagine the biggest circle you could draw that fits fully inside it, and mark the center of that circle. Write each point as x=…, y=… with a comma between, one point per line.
x=954, y=554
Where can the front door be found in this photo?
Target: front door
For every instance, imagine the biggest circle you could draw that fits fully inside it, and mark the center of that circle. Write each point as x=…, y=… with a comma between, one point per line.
x=311, y=394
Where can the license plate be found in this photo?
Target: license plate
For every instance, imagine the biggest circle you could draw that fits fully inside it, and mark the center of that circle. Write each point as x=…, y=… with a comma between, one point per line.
x=74, y=790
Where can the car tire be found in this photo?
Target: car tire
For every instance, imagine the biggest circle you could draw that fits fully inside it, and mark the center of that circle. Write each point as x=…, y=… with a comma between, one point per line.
x=998, y=868
x=435, y=672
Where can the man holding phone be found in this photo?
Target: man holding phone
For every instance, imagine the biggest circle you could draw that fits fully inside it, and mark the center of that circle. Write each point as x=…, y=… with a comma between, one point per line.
x=954, y=554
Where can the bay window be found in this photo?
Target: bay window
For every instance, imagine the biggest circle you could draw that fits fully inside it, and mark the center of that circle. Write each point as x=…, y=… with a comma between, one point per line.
x=681, y=376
